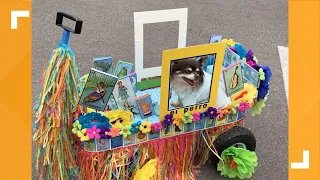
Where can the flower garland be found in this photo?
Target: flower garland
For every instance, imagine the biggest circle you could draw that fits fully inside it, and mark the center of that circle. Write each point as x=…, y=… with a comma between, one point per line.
x=96, y=125
x=248, y=57
x=91, y=126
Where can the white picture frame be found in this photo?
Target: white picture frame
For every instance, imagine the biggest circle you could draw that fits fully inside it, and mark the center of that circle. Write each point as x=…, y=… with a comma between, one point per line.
x=147, y=17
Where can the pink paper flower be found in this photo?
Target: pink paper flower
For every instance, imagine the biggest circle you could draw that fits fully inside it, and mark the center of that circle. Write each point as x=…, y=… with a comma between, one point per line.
x=156, y=127
x=243, y=106
x=93, y=132
x=220, y=114
x=196, y=117
x=114, y=132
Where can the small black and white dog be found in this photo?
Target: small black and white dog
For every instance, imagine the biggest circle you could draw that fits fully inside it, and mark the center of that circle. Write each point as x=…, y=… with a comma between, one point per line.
x=190, y=83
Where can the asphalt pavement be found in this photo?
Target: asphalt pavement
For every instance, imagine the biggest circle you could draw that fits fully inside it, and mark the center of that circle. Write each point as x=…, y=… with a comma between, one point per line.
x=108, y=29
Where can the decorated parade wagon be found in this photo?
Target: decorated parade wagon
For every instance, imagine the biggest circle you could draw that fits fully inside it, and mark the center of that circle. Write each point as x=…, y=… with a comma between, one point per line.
x=123, y=121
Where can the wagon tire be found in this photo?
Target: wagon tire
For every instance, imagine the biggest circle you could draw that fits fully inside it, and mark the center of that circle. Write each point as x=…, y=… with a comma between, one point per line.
x=237, y=136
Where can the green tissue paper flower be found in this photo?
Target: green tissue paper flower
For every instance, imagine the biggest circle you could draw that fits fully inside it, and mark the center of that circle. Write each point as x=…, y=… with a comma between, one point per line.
x=76, y=127
x=237, y=163
x=257, y=106
x=187, y=118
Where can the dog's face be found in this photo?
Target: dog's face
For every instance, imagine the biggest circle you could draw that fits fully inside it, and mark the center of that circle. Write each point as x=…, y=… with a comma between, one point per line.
x=188, y=73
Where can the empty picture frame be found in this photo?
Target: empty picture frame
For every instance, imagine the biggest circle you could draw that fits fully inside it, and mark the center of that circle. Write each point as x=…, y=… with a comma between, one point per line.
x=147, y=17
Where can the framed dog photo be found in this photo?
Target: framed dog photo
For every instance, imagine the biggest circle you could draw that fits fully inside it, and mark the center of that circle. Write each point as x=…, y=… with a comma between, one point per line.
x=233, y=78
x=185, y=85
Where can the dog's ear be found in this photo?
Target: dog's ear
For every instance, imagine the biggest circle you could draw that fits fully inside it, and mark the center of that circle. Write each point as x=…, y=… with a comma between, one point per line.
x=203, y=60
x=173, y=67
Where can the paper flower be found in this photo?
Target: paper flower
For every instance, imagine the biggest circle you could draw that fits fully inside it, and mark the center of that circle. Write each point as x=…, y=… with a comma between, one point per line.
x=241, y=51
x=76, y=127
x=212, y=112
x=145, y=127
x=249, y=55
x=94, y=119
x=203, y=115
x=156, y=127
x=168, y=119
x=135, y=127
x=103, y=133
x=83, y=135
x=125, y=131
x=263, y=89
x=148, y=171
x=229, y=42
x=177, y=120
x=257, y=106
x=234, y=108
x=243, y=106
x=93, y=132
x=196, y=116
x=114, y=132
x=248, y=94
x=220, y=114
x=237, y=163
x=255, y=59
x=227, y=110
x=187, y=118
x=261, y=74
x=119, y=117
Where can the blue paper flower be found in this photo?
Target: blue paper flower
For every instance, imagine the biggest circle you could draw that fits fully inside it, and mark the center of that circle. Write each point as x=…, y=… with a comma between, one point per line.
x=263, y=89
x=135, y=127
x=203, y=115
x=94, y=119
x=241, y=51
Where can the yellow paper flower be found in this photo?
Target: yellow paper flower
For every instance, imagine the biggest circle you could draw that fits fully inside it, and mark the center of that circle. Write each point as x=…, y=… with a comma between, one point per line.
x=177, y=120
x=119, y=117
x=248, y=94
x=145, y=127
x=229, y=42
x=83, y=135
x=148, y=171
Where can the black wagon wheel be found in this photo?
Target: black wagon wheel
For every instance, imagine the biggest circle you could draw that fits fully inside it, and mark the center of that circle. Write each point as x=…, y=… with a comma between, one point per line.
x=238, y=136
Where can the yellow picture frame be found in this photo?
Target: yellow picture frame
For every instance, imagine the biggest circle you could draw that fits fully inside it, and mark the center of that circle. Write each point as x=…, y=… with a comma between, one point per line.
x=181, y=53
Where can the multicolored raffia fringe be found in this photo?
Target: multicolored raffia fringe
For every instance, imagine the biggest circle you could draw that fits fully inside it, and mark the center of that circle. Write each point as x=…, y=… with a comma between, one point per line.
x=178, y=157
x=237, y=163
x=55, y=158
